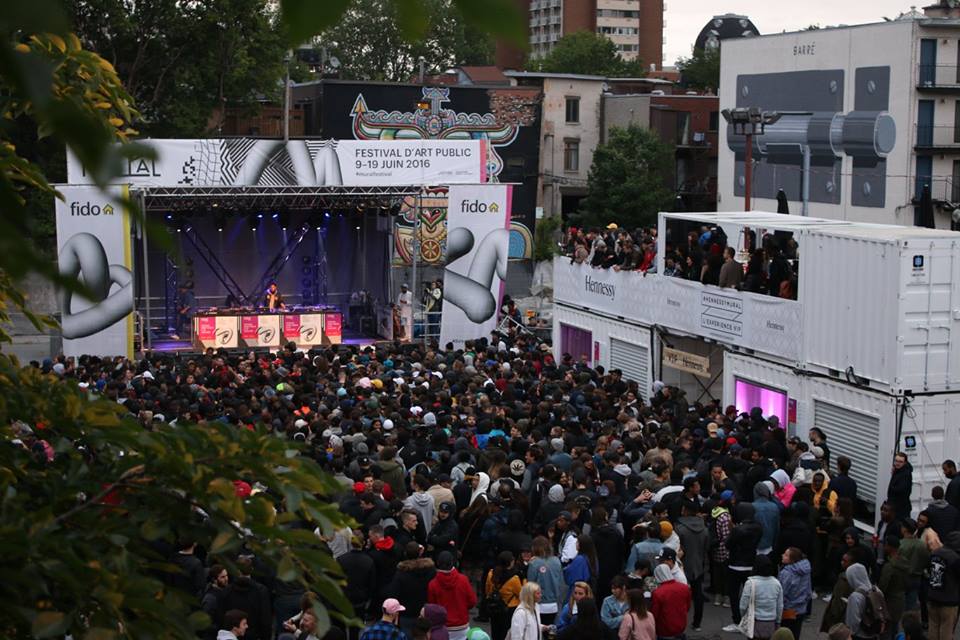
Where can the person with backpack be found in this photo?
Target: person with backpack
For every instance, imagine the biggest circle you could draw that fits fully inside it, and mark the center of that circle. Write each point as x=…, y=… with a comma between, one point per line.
x=866, y=613
x=502, y=595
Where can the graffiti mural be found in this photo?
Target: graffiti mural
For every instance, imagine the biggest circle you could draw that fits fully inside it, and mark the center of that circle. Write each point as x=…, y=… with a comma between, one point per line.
x=507, y=119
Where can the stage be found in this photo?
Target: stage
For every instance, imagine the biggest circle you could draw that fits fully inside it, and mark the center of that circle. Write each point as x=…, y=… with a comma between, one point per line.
x=168, y=345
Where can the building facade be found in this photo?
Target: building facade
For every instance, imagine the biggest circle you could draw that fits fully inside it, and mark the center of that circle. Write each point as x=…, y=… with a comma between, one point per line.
x=875, y=118
x=635, y=26
x=571, y=117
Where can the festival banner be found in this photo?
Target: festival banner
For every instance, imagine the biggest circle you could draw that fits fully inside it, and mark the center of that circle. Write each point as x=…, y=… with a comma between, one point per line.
x=207, y=328
x=311, y=330
x=268, y=331
x=291, y=326
x=93, y=237
x=306, y=163
x=249, y=326
x=333, y=327
x=478, y=239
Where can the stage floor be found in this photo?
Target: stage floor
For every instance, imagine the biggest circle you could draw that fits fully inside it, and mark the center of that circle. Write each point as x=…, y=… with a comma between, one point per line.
x=167, y=345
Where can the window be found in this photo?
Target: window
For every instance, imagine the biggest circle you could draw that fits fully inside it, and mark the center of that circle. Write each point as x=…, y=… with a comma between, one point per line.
x=571, y=155
x=573, y=110
x=714, y=121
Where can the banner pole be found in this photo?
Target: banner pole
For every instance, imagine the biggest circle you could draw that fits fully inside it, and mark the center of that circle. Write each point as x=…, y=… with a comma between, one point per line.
x=415, y=284
x=142, y=203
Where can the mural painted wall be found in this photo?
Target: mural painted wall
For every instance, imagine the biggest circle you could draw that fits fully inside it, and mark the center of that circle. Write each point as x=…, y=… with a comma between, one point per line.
x=846, y=99
x=508, y=119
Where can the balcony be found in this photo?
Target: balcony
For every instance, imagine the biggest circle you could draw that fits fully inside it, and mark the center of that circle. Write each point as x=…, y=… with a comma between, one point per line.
x=943, y=139
x=938, y=78
x=944, y=191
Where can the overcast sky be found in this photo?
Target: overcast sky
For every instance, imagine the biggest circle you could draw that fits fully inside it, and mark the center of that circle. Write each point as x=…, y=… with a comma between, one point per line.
x=685, y=18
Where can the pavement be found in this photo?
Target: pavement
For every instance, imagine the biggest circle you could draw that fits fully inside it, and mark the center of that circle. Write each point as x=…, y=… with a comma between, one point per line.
x=715, y=618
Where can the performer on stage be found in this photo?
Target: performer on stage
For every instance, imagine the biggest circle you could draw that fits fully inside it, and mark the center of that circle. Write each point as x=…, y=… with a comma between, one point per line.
x=272, y=299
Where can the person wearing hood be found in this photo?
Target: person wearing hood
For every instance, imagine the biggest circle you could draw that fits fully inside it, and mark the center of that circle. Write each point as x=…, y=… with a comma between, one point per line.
x=437, y=617
x=481, y=483
x=445, y=533
x=695, y=542
x=836, y=605
x=784, y=488
x=669, y=604
x=393, y=472
x=551, y=507
x=452, y=590
x=767, y=513
x=807, y=466
x=900, y=486
x=422, y=502
x=858, y=550
x=410, y=583
x=795, y=578
x=386, y=555
x=859, y=579
x=762, y=598
x=942, y=516
x=235, y=625
x=943, y=588
x=742, y=547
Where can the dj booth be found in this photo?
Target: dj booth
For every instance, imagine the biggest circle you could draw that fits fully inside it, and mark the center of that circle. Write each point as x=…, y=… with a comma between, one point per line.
x=244, y=328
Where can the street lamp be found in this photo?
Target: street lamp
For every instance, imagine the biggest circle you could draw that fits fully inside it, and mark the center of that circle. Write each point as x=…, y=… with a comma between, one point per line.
x=748, y=122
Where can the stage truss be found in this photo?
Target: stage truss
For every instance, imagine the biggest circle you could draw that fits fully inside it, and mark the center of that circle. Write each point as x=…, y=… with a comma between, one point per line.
x=170, y=199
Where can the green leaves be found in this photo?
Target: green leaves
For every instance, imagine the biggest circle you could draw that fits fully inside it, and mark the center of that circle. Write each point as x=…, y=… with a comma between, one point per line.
x=501, y=18
x=588, y=53
x=306, y=18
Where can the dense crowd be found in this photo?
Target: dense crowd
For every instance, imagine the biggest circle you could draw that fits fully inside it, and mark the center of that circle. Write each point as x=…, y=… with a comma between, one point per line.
x=703, y=255
x=498, y=491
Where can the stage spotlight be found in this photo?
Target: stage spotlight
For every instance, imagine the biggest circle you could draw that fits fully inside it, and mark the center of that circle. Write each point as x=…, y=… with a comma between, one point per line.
x=255, y=221
x=283, y=219
x=169, y=216
x=220, y=220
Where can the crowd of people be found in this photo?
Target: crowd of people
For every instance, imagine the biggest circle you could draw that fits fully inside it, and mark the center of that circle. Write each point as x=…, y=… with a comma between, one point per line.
x=703, y=255
x=500, y=492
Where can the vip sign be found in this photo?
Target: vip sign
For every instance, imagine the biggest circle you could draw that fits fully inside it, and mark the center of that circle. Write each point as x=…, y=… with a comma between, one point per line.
x=93, y=238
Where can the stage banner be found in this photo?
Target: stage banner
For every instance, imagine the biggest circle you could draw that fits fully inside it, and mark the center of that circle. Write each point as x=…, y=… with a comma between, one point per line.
x=207, y=328
x=333, y=327
x=311, y=330
x=306, y=163
x=291, y=326
x=260, y=330
x=478, y=239
x=249, y=326
x=93, y=240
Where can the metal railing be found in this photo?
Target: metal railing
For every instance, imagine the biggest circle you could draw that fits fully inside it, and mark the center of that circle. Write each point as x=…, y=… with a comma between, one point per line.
x=942, y=188
x=937, y=136
x=932, y=76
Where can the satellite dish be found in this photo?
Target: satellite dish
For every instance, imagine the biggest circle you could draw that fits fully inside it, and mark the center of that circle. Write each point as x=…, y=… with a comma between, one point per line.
x=334, y=62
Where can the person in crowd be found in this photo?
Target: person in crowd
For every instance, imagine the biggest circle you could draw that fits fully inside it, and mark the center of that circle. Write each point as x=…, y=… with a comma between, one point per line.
x=943, y=588
x=525, y=623
x=361, y=574
x=900, y=486
x=695, y=541
x=637, y=623
x=410, y=584
x=731, y=273
x=452, y=590
x=767, y=514
x=742, y=546
x=235, y=625
x=952, y=493
x=586, y=624
x=615, y=605
x=861, y=615
x=844, y=485
x=584, y=566
x=387, y=627
x=913, y=552
x=942, y=516
x=721, y=524
x=669, y=604
x=892, y=582
x=503, y=588
x=761, y=601
x=246, y=594
x=570, y=609
x=546, y=572
x=795, y=579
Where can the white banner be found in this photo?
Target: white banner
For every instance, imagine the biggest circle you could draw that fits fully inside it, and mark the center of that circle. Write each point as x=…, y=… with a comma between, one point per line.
x=93, y=236
x=763, y=323
x=308, y=163
x=478, y=239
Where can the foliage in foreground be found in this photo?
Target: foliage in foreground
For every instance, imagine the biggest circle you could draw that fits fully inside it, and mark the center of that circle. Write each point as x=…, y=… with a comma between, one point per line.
x=627, y=181
x=82, y=534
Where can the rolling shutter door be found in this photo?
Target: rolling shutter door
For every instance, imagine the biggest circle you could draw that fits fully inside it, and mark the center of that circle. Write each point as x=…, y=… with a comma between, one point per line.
x=857, y=436
x=633, y=360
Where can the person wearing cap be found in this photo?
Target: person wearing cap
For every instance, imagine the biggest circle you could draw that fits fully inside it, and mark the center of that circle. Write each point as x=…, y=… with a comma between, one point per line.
x=668, y=557
x=670, y=605
x=563, y=533
x=387, y=627
x=441, y=491
x=445, y=533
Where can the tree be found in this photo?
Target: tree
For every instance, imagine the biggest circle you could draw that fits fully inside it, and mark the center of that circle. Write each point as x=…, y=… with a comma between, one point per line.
x=701, y=70
x=371, y=45
x=588, y=53
x=627, y=181
x=182, y=62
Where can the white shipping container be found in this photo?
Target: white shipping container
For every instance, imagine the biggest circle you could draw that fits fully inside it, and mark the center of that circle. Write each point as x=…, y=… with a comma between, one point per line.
x=884, y=300
x=863, y=424
x=877, y=302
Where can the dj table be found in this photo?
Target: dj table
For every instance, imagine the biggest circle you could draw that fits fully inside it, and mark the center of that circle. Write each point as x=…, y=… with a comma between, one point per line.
x=244, y=328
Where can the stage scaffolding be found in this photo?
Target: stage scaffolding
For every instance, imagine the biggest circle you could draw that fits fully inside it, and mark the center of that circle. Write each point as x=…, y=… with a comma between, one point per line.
x=215, y=200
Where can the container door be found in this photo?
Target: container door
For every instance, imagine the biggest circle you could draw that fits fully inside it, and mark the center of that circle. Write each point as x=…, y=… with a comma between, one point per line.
x=928, y=62
x=577, y=342
x=857, y=436
x=633, y=360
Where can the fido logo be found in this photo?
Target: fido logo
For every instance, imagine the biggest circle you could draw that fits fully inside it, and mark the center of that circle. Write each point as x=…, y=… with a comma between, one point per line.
x=476, y=206
x=90, y=209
